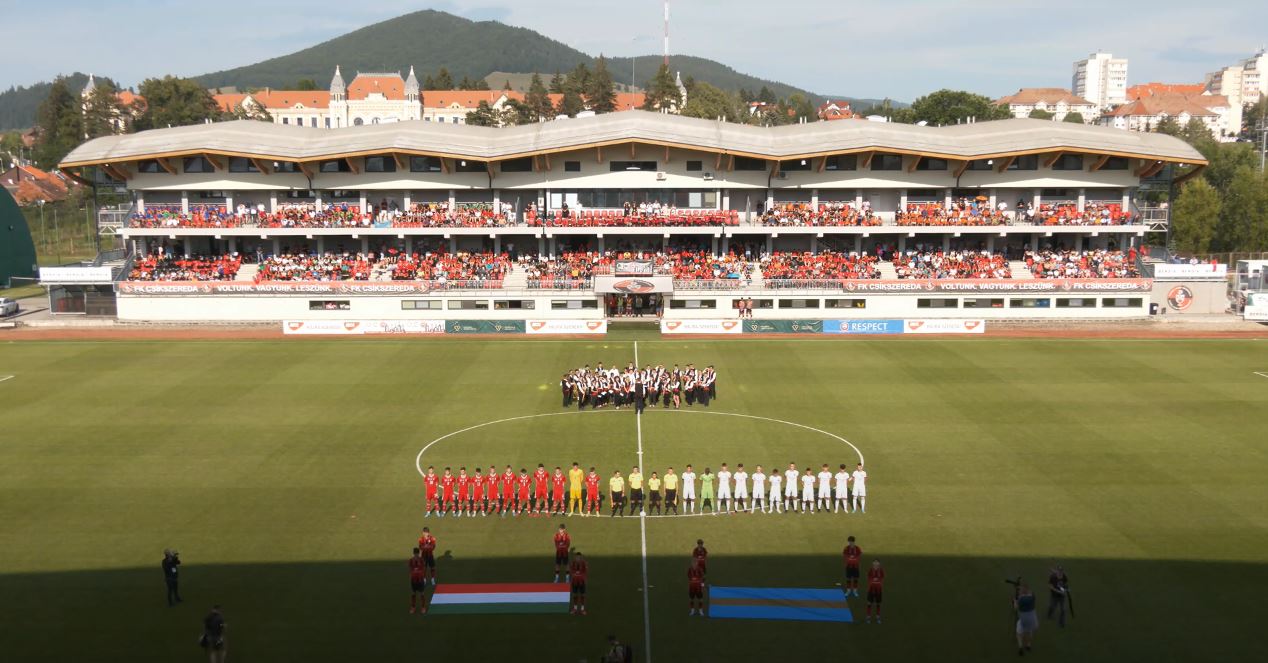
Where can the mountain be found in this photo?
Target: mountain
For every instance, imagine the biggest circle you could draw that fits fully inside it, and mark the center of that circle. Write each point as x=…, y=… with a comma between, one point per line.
x=19, y=104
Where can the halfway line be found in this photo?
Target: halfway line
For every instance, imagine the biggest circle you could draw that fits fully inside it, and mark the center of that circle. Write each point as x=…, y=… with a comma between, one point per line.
x=642, y=527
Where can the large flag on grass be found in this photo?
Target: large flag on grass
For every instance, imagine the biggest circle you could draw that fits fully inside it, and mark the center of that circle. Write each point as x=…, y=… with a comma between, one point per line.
x=791, y=604
x=496, y=599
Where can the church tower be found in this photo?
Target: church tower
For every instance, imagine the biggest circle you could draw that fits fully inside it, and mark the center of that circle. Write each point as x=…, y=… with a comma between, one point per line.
x=413, y=104
x=338, y=110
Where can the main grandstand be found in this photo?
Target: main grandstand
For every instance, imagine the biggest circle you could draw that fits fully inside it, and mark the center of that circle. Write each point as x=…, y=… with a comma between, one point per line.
x=1012, y=219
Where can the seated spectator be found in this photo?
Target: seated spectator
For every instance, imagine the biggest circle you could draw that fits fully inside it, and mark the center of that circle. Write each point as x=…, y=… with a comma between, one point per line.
x=1094, y=264
x=951, y=265
x=165, y=267
x=824, y=266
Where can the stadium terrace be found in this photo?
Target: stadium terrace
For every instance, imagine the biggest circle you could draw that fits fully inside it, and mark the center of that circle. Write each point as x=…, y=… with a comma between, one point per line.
x=635, y=213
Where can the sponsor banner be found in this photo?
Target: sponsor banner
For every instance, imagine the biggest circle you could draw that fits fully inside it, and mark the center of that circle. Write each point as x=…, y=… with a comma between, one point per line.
x=566, y=327
x=700, y=327
x=633, y=285
x=634, y=268
x=75, y=275
x=362, y=327
x=484, y=327
x=944, y=326
x=1203, y=271
x=1257, y=313
x=919, y=286
x=783, y=326
x=862, y=326
x=274, y=288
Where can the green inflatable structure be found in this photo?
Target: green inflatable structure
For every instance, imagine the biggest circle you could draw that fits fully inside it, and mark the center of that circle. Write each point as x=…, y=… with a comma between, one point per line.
x=17, y=250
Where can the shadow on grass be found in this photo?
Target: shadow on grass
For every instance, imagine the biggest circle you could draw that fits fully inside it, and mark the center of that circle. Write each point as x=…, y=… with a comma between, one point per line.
x=936, y=608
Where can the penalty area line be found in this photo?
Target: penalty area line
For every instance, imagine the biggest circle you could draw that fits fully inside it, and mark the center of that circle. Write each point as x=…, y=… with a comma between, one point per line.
x=5, y=378
x=1262, y=375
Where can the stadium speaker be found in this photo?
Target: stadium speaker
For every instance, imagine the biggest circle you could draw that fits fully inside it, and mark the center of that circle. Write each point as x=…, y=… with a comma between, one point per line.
x=17, y=250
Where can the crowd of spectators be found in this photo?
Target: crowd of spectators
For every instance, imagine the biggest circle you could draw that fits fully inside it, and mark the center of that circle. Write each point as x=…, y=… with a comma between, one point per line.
x=335, y=215
x=823, y=214
x=633, y=217
x=951, y=265
x=442, y=267
x=1095, y=264
x=162, y=266
x=1067, y=213
x=962, y=212
x=825, y=266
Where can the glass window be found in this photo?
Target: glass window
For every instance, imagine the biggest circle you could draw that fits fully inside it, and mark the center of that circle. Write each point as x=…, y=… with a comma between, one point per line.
x=424, y=165
x=1115, y=163
x=468, y=166
x=285, y=167
x=1030, y=302
x=149, y=166
x=748, y=163
x=1025, y=162
x=469, y=304
x=421, y=305
x=242, y=165
x=983, y=303
x=617, y=166
x=380, y=165
x=845, y=303
x=1082, y=302
x=794, y=164
x=693, y=303
x=981, y=164
x=573, y=304
x=198, y=165
x=521, y=165
x=1069, y=162
x=842, y=162
x=932, y=164
x=513, y=304
x=335, y=166
x=695, y=166
x=887, y=162
x=329, y=305
x=937, y=303
x=1121, y=302
x=799, y=303
x=572, y=166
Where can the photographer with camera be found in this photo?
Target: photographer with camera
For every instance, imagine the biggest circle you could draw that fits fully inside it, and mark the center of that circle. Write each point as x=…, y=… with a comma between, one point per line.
x=1058, y=594
x=1027, y=620
x=171, y=576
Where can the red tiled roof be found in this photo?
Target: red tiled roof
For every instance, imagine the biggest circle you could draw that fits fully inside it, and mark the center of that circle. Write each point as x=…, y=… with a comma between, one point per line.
x=1048, y=95
x=391, y=87
x=1163, y=104
x=1149, y=89
x=464, y=98
x=624, y=100
x=276, y=99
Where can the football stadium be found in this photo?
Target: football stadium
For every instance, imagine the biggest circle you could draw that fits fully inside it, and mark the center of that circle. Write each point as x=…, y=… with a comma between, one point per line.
x=617, y=386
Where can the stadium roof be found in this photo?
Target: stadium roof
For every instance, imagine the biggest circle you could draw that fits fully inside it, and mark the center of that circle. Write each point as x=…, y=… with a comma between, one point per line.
x=980, y=140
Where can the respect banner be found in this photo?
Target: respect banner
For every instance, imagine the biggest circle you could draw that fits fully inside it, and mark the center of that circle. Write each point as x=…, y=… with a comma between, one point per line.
x=862, y=326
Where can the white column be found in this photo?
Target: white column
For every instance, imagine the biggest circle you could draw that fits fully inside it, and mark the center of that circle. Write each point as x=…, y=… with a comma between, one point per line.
x=814, y=199
x=718, y=196
x=497, y=243
x=726, y=199
x=405, y=200
x=946, y=242
x=321, y=244
x=1078, y=242
x=140, y=202
x=770, y=244
x=994, y=202
x=497, y=201
x=902, y=200
x=229, y=202
x=184, y=202
x=858, y=199
x=770, y=199
x=1127, y=199
x=715, y=245
x=858, y=244
x=272, y=202
x=317, y=199
x=1034, y=241
x=990, y=244
x=814, y=244
x=361, y=200
x=453, y=244
x=541, y=246
x=1035, y=201
x=451, y=199
x=1082, y=199
x=277, y=246
x=409, y=245
x=902, y=244
x=601, y=245
x=947, y=198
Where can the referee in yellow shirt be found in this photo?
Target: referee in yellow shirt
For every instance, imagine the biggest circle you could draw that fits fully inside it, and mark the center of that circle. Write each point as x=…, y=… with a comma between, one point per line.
x=617, y=487
x=575, y=475
x=671, y=491
x=636, y=491
x=653, y=493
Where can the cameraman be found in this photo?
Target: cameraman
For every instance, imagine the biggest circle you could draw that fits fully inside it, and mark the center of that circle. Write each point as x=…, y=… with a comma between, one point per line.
x=1058, y=592
x=1027, y=620
x=171, y=576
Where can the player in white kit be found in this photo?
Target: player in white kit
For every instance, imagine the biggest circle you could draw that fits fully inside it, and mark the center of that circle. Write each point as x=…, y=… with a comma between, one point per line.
x=741, y=489
x=790, y=486
x=843, y=496
x=724, y=489
x=860, y=489
x=776, y=494
x=759, y=489
x=825, y=488
x=689, y=489
x=808, y=491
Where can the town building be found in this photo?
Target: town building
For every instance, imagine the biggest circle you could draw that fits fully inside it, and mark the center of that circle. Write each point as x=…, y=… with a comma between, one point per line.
x=1057, y=101
x=1101, y=79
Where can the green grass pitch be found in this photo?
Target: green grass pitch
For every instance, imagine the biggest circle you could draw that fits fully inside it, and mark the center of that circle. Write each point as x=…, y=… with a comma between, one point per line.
x=284, y=472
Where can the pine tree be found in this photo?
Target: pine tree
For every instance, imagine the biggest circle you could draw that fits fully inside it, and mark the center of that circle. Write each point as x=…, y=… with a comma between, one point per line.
x=537, y=99
x=557, y=83
x=443, y=80
x=601, y=93
x=102, y=111
x=172, y=101
x=61, y=125
x=662, y=92
x=571, y=103
x=484, y=116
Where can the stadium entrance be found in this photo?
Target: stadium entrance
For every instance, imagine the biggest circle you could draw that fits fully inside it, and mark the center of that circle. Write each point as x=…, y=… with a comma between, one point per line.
x=620, y=305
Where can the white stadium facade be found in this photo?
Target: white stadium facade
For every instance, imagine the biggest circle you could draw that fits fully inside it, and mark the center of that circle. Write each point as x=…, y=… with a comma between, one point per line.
x=572, y=221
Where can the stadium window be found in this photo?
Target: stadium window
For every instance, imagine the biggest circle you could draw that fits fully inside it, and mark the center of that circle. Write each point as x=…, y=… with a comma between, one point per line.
x=1069, y=162
x=300, y=194
x=572, y=166
x=845, y=303
x=693, y=304
x=242, y=165
x=887, y=162
x=335, y=166
x=148, y=166
x=1025, y=162
x=794, y=164
x=421, y=305
x=469, y=166
x=329, y=305
x=468, y=304
x=198, y=165
x=762, y=303
x=424, y=165
x=981, y=164
x=749, y=163
x=1055, y=193
x=285, y=167
x=1079, y=302
x=380, y=165
x=520, y=165
x=513, y=304
x=573, y=304
x=842, y=162
x=618, y=166
x=1115, y=163
x=932, y=164
x=342, y=194
x=695, y=166
x=937, y=302
x=312, y=121
x=1121, y=302
x=1030, y=302
x=212, y=195
x=983, y=303
x=798, y=303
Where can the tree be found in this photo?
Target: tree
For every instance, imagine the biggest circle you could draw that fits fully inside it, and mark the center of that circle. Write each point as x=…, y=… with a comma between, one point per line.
x=766, y=96
x=1195, y=131
x=1244, y=219
x=600, y=92
x=1074, y=117
x=1194, y=217
x=537, y=99
x=465, y=84
x=710, y=103
x=252, y=111
x=506, y=87
x=1039, y=114
x=1252, y=115
x=946, y=107
x=578, y=80
x=571, y=103
x=484, y=116
x=103, y=113
x=557, y=83
x=175, y=102
x=306, y=84
x=60, y=119
x=10, y=147
x=1168, y=125
x=442, y=81
x=516, y=112
x=662, y=91
x=1225, y=160
x=802, y=107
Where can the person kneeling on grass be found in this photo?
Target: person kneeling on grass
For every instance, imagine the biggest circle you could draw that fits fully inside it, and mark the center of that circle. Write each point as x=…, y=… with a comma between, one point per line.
x=1027, y=619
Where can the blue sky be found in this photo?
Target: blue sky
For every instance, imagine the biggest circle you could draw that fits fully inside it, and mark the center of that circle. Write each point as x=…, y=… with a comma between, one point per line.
x=864, y=48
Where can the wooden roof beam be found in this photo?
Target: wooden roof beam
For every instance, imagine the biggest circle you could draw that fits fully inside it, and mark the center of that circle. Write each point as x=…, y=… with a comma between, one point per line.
x=823, y=164
x=354, y=165
x=730, y=165
x=1189, y=175
x=1099, y=163
x=306, y=169
x=488, y=166
x=964, y=165
x=598, y=154
x=1155, y=169
x=547, y=158
x=116, y=172
x=915, y=163
x=1006, y=163
x=220, y=165
x=444, y=165
x=666, y=154
x=774, y=169
x=166, y=164
x=1145, y=167
x=867, y=160
x=1047, y=163
x=401, y=161
x=262, y=165
x=76, y=176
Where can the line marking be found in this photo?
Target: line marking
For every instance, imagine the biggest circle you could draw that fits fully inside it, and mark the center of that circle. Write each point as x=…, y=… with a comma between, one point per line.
x=10, y=377
x=642, y=527
x=1262, y=375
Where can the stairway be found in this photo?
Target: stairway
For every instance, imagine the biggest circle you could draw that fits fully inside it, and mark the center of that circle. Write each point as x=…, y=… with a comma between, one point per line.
x=1019, y=269
x=247, y=272
x=517, y=278
x=886, y=268
x=757, y=280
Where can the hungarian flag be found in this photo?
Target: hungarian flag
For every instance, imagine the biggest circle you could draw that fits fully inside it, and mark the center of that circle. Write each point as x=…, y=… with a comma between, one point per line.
x=499, y=599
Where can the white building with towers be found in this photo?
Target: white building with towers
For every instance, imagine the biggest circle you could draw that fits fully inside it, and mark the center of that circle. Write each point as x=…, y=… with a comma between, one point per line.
x=371, y=98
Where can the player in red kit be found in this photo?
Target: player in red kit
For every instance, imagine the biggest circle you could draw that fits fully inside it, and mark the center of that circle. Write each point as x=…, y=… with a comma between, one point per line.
x=852, y=554
x=577, y=571
x=491, y=490
x=563, y=542
x=695, y=589
x=592, y=493
x=875, y=583
x=477, y=493
x=557, y=484
x=417, y=582
x=541, y=489
x=523, y=485
x=427, y=545
x=701, y=556
x=508, y=489
x=432, y=483
x=464, y=483
x=446, y=491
